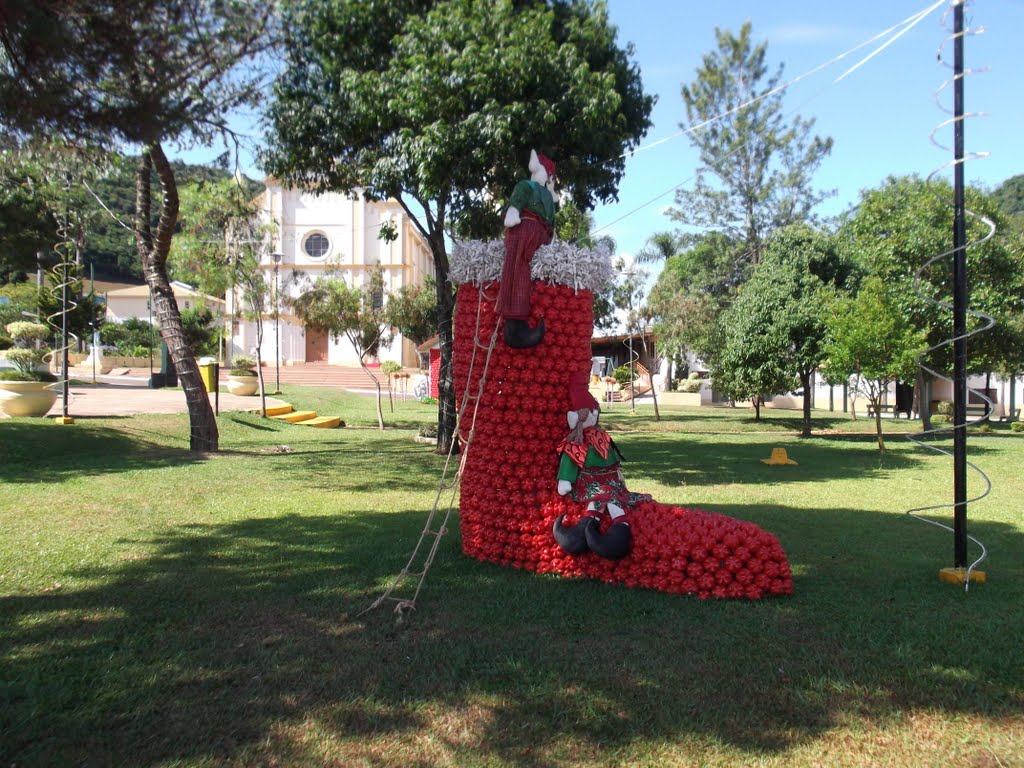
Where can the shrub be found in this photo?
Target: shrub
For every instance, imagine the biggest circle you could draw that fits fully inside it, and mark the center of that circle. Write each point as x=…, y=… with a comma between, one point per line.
x=984, y=428
x=623, y=375
x=390, y=366
x=26, y=332
x=125, y=349
x=6, y=342
x=944, y=407
x=428, y=430
x=940, y=420
x=691, y=383
x=201, y=334
x=1017, y=426
x=131, y=333
x=243, y=365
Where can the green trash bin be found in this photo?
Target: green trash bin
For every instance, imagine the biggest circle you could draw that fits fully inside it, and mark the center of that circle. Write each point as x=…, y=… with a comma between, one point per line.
x=208, y=373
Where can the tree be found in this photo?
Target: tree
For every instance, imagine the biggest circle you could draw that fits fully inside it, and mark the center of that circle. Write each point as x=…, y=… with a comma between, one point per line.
x=413, y=311
x=762, y=162
x=436, y=104
x=698, y=282
x=775, y=332
x=144, y=73
x=1009, y=196
x=345, y=312
x=906, y=221
x=869, y=341
x=575, y=225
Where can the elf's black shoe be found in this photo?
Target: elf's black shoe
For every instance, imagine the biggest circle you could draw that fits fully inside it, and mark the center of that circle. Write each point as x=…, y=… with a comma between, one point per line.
x=519, y=334
x=613, y=545
x=573, y=540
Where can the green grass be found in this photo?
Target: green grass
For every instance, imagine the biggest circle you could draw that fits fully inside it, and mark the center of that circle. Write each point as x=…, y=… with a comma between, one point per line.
x=163, y=609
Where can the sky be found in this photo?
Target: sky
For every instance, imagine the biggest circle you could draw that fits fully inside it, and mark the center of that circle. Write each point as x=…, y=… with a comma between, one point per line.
x=880, y=116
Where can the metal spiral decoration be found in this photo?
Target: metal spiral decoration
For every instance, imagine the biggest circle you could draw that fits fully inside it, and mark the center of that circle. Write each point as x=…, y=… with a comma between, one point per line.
x=987, y=320
x=62, y=278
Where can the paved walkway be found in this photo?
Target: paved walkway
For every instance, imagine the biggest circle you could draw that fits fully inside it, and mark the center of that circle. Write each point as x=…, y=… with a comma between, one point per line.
x=134, y=396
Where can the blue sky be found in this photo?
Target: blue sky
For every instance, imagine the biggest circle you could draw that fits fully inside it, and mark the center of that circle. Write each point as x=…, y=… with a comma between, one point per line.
x=880, y=117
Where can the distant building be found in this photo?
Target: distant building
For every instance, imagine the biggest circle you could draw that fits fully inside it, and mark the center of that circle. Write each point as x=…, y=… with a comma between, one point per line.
x=134, y=302
x=329, y=234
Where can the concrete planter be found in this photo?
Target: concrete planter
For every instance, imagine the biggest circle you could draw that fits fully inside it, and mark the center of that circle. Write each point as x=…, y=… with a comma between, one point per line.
x=26, y=398
x=691, y=399
x=243, y=385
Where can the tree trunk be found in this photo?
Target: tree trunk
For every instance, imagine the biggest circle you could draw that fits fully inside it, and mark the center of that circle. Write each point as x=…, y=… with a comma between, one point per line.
x=153, y=250
x=446, y=408
x=921, y=398
x=877, y=403
x=756, y=400
x=376, y=383
x=805, y=382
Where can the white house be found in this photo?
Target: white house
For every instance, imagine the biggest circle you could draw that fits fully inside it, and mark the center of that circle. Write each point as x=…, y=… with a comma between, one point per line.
x=125, y=303
x=332, y=234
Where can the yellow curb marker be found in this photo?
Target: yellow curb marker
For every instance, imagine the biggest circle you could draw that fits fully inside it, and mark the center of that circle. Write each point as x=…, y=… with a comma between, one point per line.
x=959, y=576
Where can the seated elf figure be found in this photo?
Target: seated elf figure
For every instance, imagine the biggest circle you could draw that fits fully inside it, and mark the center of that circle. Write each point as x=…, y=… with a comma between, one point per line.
x=590, y=470
x=529, y=224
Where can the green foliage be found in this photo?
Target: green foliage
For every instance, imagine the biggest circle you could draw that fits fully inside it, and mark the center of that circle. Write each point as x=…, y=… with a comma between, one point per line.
x=442, y=101
x=436, y=104
x=761, y=159
x=84, y=314
x=6, y=342
x=869, y=340
x=774, y=333
x=24, y=332
x=699, y=280
x=900, y=225
x=131, y=333
x=691, y=383
x=413, y=311
x=201, y=332
x=343, y=312
x=1017, y=426
x=21, y=297
x=390, y=366
x=243, y=365
x=623, y=375
x=1009, y=196
x=211, y=212
x=945, y=407
x=575, y=225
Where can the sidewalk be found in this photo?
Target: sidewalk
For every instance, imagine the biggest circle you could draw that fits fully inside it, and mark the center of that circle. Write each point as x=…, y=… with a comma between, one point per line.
x=130, y=397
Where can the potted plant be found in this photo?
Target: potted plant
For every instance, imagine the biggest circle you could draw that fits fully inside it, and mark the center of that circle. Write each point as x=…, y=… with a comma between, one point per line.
x=242, y=378
x=28, y=389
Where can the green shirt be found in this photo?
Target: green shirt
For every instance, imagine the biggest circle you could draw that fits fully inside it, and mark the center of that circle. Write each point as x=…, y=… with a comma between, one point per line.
x=531, y=196
x=570, y=470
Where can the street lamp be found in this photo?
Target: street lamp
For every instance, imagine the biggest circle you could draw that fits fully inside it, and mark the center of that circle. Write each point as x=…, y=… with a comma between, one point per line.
x=277, y=256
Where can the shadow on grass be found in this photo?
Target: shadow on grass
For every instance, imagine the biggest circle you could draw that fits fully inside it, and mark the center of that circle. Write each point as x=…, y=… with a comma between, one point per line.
x=241, y=643
x=32, y=452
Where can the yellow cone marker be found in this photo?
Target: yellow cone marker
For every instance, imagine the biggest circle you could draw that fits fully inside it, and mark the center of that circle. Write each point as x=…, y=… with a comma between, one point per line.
x=778, y=457
x=64, y=420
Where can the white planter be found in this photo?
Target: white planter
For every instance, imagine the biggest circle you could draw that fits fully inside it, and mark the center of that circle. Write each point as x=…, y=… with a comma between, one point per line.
x=26, y=398
x=243, y=385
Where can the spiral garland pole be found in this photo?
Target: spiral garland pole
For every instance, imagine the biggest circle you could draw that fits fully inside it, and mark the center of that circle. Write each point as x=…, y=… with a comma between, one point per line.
x=61, y=278
x=961, y=572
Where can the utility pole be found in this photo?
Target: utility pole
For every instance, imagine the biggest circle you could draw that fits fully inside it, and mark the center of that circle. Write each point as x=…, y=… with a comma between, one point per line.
x=959, y=302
